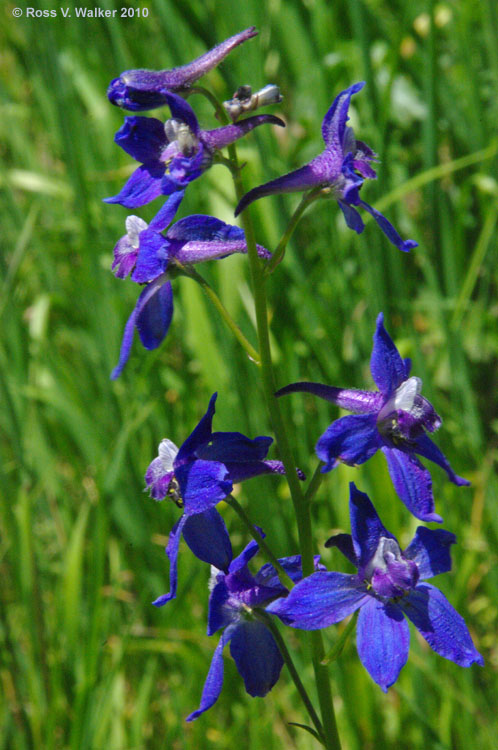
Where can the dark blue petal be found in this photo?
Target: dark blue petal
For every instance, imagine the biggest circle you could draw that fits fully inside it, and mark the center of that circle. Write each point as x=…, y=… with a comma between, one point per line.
x=220, y=612
x=200, y=435
x=207, y=537
x=172, y=553
x=426, y=448
x=303, y=178
x=214, y=680
x=257, y=657
x=334, y=122
x=389, y=230
x=366, y=526
x=150, y=261
x=387, y=367
x=181, y=110
x=233, y=446
x=352, y=439
x=142, y=137
x=346, y=398
x=204, y=228
x=251, y=549
x=126, y=343
x=154, y=316
x=240, y=471
x=202, y=485
x=143, y=186
x=441, y=625
x=267, y=575
x=383, y=641
x=353, y=218
x=167, y=213
x=320, y=600
x=344, y=543
x=430, y=550
x=412, y=482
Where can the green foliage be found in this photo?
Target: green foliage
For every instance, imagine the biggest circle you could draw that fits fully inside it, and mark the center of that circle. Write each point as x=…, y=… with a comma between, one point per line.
x=86, y=662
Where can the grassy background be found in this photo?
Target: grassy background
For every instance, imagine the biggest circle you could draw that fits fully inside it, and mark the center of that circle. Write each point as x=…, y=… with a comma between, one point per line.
x=87, y=663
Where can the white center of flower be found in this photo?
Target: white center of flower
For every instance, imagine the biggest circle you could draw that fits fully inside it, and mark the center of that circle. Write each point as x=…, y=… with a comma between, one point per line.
x=403, y=398
x=134, y=225
x=179, y=131
x=167, y=454
x=387, y=550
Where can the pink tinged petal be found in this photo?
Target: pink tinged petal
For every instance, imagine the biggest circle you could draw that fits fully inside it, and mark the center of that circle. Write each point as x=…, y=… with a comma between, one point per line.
x=172, y=554
x=425, y=447
x=143, y=186
x=430, y=551
x=214, y=681
x=386, y=365
x=200, y=435
x=256, y=656
x=351, y=440
x=320, y=600
x=388, y=229
x=360, y=402
x=305, y=178
x=441, y=625
x=199, y=252
x=363, y=167
x=366, y=526
x=157, y=479
x=203, y=484
x=383, y=641
x=126, y=249
x=334, y=122
x=224, y=136
x=207, y=537
x=412, y=482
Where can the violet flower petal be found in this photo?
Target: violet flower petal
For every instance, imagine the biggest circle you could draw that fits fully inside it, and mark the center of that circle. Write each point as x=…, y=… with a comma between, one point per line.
x=320, y=600
x=352, y=217
x=352, y=439
x=388, y=229
x=167, y=213
x=233, y=446
x=412, y=482
x=172, y=554
x=200, y=435
x=383, y=641
x=154, y=315
x=386, y=365
x=203, y=484
x=143, y=138
x=440, y=624
x=149, y=264
x=425, y=447
x=224, y=136
x=214, y=680
x=142, y=187
x=366, y=526
x=257, y=657
x=430, y=550
x=334, y=122
x=354, y=400
x=303, y=178
x=207, y=537
x=344, y=543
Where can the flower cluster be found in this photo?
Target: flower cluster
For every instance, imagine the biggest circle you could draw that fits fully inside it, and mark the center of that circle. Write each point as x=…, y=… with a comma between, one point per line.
x=389, y=588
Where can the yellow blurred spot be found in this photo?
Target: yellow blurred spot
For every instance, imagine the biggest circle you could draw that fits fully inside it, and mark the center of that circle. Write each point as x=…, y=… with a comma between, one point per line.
x=422, y=24
x=408, y=47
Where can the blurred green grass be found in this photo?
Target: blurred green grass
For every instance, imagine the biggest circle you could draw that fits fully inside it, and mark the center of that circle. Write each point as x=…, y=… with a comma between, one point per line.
x=86, y=662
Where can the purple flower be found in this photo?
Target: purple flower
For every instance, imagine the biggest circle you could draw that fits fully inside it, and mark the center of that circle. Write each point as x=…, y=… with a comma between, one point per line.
x=339, y=170
x=197, y=476
x=138, y=90
x=235, y=598
x=151, y=256
x=174, y=153
x=393, y=419
x=386, y=588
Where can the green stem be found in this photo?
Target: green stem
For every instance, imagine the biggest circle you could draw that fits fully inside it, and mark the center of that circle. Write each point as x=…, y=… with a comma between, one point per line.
x=301, y=506
x=293, y=671
x=283, y=576
x=279, y=252
x=191, y=273
x=314, y=484
x=338, y=646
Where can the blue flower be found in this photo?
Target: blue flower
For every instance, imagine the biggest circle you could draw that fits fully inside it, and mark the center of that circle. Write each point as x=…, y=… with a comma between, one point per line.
x=197, y=476
x=386, y=589
x=138, y=90
x=150, y=257
x=236, y=596
x=339, y=170
x=174, y=153
x=393, y=419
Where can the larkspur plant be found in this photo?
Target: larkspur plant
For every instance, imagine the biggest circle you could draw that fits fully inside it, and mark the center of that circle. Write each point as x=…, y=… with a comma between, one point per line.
x=298, y=591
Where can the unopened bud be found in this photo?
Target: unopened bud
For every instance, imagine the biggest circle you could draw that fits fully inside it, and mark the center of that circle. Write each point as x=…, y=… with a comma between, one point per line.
x=245, y=101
